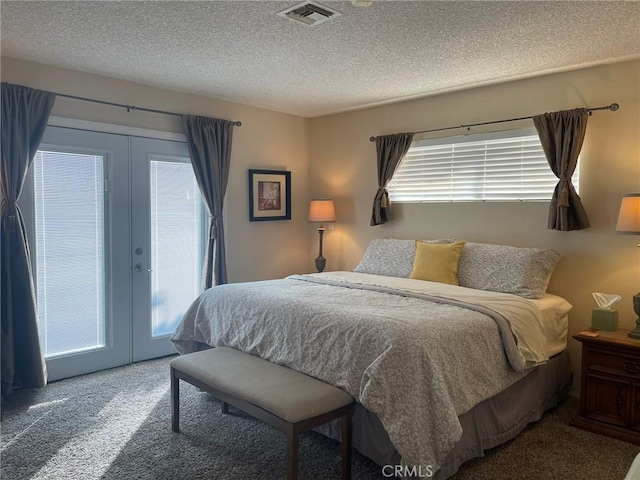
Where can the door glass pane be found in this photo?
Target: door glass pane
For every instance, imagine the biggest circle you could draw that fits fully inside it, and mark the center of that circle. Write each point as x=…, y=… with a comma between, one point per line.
x=176, y=243
x=70, y=251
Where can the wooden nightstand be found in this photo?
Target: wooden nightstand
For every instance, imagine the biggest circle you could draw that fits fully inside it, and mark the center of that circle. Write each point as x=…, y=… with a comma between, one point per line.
x=610, y=385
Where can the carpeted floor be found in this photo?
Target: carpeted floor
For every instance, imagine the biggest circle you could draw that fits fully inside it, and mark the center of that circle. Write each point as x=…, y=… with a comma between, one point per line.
x=116, y=425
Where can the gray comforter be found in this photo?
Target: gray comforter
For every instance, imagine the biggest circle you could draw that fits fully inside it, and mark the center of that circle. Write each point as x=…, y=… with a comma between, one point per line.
x=417, y=361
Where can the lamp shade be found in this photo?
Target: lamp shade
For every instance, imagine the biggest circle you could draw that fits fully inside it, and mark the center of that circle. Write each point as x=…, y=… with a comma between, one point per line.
x=322, y=211
x=629, y=216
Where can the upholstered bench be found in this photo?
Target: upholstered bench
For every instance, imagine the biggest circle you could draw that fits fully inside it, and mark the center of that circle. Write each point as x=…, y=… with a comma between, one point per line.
x=283, y=398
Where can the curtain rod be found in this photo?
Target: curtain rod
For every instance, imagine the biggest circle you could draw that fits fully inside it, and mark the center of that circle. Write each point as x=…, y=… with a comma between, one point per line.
x=128, y=107
x=613, y=107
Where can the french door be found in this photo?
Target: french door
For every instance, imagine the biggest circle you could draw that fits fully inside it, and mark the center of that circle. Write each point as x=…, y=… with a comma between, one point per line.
x=167, y=242
x=115, y=225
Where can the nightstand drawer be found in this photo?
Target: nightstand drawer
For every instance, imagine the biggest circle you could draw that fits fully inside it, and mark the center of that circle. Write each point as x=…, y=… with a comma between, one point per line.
x=613, y=362
x=607, y=400
x=610, y=385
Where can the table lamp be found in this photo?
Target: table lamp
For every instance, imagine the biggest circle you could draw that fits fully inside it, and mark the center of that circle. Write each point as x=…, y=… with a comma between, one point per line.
x=322, y=211
x=629, y=223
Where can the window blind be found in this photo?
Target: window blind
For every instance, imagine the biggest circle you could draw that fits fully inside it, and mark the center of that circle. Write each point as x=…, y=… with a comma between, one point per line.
x=70, y=251
x=500, y=166
x=176, y=242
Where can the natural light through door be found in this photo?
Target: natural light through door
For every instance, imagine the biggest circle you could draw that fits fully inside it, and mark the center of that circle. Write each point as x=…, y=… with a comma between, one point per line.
x=70, y=251
x=176, y=243
x=116, y=227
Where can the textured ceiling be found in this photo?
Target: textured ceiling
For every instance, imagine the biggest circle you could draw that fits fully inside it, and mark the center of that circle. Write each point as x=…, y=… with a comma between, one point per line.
x=242, y=52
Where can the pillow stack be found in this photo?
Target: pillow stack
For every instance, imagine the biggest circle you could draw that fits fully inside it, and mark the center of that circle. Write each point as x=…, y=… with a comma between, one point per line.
x=499, y=268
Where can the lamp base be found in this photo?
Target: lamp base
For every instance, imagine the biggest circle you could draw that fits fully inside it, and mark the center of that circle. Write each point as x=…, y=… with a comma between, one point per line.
x=321, y=262
x=635, y=333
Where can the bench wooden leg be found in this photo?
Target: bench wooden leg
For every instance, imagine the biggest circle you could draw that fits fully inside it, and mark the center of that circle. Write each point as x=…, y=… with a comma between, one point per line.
x=175, y=401
x=346, y=446
x=292, y=454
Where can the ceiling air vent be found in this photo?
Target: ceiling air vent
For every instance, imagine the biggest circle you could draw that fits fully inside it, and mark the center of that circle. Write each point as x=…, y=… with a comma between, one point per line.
x=309, y=13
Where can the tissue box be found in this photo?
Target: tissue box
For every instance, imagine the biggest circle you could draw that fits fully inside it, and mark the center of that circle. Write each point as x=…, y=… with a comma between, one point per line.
x=604, y=319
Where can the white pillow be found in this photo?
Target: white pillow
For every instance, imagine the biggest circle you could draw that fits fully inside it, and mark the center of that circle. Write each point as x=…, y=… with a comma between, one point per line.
x=502, y=268
x=388, y=256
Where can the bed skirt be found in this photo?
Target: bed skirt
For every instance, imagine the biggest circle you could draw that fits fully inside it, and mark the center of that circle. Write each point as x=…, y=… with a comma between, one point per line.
x=487, y=425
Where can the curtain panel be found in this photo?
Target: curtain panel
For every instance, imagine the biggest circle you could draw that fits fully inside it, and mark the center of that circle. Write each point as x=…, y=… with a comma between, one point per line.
x=25, y=112
x=209, y=142
x=390, y=149
x=561, y=135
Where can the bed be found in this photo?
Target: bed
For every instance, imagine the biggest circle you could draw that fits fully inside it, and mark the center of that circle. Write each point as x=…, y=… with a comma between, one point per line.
x=435, y=367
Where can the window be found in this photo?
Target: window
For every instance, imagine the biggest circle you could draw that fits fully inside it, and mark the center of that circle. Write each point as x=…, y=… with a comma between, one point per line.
x=176, y=242
x=70, y=251
x=499, y=166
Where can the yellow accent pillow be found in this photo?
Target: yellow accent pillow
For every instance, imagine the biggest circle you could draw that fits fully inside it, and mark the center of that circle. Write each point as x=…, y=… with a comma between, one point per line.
x=437, y=262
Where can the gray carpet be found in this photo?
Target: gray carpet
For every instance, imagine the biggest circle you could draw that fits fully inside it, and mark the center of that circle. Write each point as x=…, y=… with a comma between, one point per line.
x=116, y=425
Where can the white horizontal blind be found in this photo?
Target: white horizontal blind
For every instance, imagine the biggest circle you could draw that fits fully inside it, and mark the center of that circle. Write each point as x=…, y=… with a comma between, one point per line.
x=176, y=242
x=70, y=251
x=500, y=166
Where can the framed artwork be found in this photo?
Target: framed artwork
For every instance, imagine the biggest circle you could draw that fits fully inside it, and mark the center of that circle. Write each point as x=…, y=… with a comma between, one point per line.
x=269, y=195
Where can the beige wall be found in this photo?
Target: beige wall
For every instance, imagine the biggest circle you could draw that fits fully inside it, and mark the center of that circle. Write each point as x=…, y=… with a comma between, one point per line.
x=343, y=166
x=266, y=139
x=332, y=157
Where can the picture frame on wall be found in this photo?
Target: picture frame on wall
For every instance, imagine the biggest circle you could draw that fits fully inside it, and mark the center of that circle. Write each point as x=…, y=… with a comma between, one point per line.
x=269, y=195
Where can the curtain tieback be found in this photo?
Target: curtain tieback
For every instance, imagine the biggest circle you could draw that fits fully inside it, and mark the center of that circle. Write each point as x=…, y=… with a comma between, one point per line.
x=384, y=197
x=563, y=198
x=215, y=219
x=12, y=218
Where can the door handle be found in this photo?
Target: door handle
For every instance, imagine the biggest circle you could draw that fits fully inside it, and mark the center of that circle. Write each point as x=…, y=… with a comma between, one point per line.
x=140, y=268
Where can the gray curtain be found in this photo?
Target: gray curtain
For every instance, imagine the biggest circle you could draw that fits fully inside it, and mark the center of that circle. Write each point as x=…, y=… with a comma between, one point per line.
x=390, y=149
x=25, y=112
x=209, y=142
x=561, y=135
